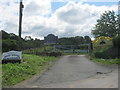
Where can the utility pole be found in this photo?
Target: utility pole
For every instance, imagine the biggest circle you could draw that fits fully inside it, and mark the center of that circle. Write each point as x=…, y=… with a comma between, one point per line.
x=20, y=22
x=119, y=17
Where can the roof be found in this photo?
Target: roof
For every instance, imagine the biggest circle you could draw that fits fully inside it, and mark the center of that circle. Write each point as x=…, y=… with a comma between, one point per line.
x=50, y=35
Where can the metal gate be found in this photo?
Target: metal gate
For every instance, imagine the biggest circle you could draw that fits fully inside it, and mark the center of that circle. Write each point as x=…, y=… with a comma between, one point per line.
x=73, y=48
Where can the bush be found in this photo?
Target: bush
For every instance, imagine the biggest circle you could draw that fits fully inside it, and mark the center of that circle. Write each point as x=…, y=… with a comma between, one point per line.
x=110, y=53
x=116, y=42
x=100, y=55
x=9, y=44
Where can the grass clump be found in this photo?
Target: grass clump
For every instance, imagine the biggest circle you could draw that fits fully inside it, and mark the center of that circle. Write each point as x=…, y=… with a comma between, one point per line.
x=32, y=64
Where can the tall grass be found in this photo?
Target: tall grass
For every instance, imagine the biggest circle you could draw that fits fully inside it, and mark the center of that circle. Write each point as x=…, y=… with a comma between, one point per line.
x=32, y=64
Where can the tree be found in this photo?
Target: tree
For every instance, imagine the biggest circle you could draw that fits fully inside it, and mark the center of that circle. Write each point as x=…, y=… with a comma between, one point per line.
x=79, y=39
x=13, y=36
x=5, y=35
x=116, y=42
x=28, y=38
x=107, y=25
x=87, y=40
x=75, y=40
x=9, y=44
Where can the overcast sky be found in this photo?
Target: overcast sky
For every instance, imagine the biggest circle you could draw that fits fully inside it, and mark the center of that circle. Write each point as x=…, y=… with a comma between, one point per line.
x=64, y=18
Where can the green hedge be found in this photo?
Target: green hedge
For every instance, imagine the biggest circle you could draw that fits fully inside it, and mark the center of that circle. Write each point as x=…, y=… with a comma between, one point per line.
x=110, y=53
x=116, y=42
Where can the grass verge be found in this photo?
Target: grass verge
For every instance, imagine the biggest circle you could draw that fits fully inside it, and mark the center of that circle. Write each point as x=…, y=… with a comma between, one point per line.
x=105, y=61
x=32, y=64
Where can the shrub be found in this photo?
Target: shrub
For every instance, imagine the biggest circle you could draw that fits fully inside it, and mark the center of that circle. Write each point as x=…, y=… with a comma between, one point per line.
x=110, y=53
x=116, y=42
x=101, y=55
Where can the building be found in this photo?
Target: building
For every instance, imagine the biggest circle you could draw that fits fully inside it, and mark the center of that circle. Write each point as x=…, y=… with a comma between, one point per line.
x=50, y=39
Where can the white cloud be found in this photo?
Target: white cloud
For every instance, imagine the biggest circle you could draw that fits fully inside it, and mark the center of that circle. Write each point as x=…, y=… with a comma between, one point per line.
x=37, y=7
x=78, y=18
x=8, y=16
x=73, y=13
x=73, y=19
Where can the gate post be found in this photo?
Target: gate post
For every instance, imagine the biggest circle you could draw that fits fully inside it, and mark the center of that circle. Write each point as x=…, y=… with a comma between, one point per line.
x=90, y=48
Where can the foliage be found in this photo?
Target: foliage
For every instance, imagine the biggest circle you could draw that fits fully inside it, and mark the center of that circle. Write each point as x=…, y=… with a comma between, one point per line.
x=32, y=64
x=87, y=40
x=75, y=40
x=5, y=35
x=107, y=53
x=100, y=55
x=116, y=42
x=107, y=25
x=106, y=61
x=27, y=44
x=10, y=42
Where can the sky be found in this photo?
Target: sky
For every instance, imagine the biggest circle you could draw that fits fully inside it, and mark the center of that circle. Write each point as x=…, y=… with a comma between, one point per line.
x=64, y=18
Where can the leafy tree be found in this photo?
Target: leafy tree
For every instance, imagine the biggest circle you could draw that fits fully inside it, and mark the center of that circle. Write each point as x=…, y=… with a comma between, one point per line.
x=116, y=42
x=5, y=35
x=14, y=37
x=79, y=39
x=107, y=25
x=28, y=38
x=64, y=41
x=38, y=42
x=87, y=39
x=75, y=40
x=8, y=44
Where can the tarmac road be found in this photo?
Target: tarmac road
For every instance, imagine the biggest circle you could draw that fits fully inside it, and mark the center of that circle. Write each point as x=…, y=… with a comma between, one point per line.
x=75, y=71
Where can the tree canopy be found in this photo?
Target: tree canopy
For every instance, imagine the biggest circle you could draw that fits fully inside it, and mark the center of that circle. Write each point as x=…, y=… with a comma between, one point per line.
x=10, y=42
x=107, y=25
x=75, y=40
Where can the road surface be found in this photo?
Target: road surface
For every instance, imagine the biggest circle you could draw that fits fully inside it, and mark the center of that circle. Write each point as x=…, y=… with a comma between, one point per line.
x=75, y=71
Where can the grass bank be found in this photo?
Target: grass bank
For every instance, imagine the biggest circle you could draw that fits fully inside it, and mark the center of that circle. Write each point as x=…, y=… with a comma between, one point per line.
x=32, y=64
x=104, y=61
